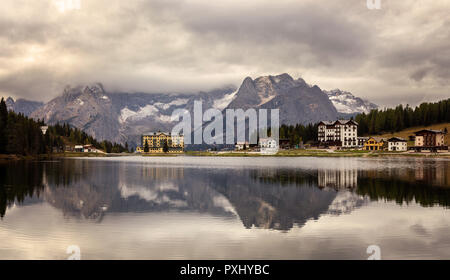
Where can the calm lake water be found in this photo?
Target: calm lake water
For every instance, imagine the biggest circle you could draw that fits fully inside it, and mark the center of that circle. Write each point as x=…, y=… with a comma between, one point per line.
x=225, y=208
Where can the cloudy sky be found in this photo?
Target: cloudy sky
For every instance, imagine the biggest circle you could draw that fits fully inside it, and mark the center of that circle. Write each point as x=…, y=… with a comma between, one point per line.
x=400, y=53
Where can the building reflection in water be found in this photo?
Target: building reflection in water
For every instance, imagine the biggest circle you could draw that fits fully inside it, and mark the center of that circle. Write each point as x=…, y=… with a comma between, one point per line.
x=343, y=177
x=435, y=173
x=162, y=173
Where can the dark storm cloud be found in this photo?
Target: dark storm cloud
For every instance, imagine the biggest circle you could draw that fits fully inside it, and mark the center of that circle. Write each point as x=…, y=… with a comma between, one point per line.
x=389, y=55
x=322, y=32
x=420, y=74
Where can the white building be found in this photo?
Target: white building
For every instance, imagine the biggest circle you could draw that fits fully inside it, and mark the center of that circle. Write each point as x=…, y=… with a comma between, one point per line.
x=268, y=145
x=241, y=146
x=397, y=144
x=343, y=133
x=79, y=148
x=88, y=149
x=44, y=129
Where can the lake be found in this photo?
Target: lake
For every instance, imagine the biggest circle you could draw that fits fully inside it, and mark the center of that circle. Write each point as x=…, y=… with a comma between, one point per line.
x=225, y=208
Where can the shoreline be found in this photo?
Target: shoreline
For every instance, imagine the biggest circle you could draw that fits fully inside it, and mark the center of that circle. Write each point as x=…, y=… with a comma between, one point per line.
x=285, y=153
x=320, y=153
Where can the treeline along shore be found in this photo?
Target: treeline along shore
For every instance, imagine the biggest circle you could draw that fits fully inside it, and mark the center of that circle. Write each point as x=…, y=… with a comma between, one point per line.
x=23, y=137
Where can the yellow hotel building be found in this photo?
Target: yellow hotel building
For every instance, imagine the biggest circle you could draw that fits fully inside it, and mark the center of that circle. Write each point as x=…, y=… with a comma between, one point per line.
x=157, y=140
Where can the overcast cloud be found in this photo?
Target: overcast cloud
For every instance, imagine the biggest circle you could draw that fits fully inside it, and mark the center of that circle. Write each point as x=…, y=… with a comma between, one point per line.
x=400, y=53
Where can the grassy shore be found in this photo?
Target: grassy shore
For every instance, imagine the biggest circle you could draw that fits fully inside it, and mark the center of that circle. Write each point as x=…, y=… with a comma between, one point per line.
x=319, y=153
x=5, y=158
x=283, y=153
x=73, y=154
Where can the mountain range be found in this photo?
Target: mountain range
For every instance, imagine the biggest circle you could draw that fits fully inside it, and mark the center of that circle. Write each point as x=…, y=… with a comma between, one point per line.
x=123, y=117
x=23, y=106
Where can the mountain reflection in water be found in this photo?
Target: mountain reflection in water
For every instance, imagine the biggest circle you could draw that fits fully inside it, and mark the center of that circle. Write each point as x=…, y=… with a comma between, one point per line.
x=264, y=197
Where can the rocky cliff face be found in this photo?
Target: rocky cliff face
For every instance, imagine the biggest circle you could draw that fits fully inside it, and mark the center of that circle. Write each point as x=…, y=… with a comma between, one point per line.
x=23, y=106
x=88, y=108
x=122, y=117
x=298, y=102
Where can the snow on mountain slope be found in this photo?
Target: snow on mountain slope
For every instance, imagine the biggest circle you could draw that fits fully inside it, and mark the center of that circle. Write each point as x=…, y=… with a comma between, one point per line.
x=127, y=115
x=222, y=103
x=176, y=102
x=347, y=103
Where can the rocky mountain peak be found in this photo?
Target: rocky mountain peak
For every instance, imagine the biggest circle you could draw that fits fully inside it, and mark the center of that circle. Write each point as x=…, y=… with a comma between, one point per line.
x=22, y=105
x=95, y=91
x=276, y=80
x=247, y=83
x=96, y=88
x=345, y=102
x=297, y=101
x=9, y=101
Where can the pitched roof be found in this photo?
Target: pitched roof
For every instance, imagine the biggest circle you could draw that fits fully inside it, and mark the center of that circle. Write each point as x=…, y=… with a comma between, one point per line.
x=326, y=123
x=396, y=139
x=156, y=133
x=338, y=122
x=346, y=121
x=378, y=139
x=429, y=131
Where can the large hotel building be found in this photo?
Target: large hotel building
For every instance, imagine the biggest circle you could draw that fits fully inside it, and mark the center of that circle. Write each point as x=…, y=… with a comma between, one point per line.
x=156, y=142
x=343, y=133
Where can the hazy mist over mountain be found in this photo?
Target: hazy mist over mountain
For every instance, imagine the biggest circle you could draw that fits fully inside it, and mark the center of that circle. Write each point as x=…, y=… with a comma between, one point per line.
x=398, y=54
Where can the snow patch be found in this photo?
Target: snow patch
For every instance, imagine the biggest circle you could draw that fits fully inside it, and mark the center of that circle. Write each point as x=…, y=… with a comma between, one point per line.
x=127, y=115
x=345, y=202
x=165, y=118
x=264, y=100
x=222, y=202
x=176, y=102
x=222, y=103
x=342, y=108
x=156, y=194
x=347, y=103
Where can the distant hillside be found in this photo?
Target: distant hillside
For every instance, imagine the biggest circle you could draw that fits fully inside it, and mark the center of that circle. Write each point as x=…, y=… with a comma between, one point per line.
x=400, y=118
x=21, y=135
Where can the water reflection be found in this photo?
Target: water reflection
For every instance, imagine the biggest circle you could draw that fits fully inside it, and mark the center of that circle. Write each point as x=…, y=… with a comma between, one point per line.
x=20, y=182
x=263, y=197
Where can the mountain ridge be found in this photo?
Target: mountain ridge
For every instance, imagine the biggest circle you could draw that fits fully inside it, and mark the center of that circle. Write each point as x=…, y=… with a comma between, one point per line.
x=123, y=117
